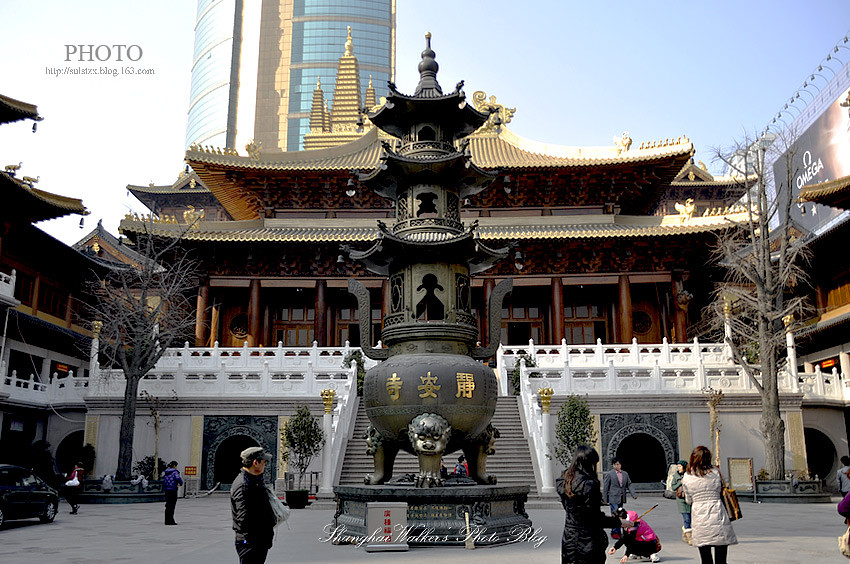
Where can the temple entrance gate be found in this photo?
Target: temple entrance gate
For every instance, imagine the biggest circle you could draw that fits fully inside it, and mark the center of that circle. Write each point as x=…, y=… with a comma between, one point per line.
x=647, y=443
x=225, y=437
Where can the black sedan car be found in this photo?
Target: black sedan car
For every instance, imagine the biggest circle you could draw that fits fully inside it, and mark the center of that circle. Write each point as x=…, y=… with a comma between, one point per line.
x=24, y=495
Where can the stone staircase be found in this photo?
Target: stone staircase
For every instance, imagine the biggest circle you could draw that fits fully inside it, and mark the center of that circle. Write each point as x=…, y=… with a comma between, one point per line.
x=511, y=463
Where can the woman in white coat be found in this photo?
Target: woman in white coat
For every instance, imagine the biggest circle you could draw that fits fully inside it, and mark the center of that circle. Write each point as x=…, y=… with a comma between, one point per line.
x=710, y=523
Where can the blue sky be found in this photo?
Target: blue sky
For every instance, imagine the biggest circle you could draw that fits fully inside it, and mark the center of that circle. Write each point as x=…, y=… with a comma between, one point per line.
x=578, y=74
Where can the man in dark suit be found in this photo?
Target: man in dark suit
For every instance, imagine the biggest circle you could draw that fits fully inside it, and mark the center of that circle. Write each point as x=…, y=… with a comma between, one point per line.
x=614, y=487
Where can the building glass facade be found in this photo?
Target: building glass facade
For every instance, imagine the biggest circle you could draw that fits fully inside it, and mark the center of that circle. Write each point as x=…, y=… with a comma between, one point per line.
x=317, y=30
x=210, y=91
x=297, y=42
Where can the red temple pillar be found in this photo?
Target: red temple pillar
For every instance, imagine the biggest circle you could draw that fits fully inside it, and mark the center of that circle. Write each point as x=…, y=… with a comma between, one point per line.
x=201, y=334
x=557, y=310
x=254, y=314
x=320, y=327
x=680, y=311
x=624, y=310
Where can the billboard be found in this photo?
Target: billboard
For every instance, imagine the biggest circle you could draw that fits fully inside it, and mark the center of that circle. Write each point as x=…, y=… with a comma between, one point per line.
x=819, y=154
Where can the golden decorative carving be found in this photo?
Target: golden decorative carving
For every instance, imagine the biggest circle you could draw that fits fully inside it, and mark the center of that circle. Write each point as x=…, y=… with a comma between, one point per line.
x=788, y=320
x=328, y=399
x=11, y=168
x=686, y=210
x=545, y=398
x=623, y=143
x=254, y=149
x=192, y=216
x=96, y=327
x=479, y=100
x=30, y=180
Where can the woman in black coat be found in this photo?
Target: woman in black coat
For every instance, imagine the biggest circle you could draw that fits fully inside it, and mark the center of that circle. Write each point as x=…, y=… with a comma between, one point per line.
x=584, y=540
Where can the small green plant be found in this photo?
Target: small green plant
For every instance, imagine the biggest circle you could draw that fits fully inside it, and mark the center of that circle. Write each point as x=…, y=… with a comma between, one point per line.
x=574, y=428
x=357, y=356
x=529, y=363
x=303, y=438
x=762, y=475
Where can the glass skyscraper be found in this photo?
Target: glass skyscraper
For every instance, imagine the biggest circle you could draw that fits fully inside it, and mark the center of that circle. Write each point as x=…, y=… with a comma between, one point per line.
x=256, y=64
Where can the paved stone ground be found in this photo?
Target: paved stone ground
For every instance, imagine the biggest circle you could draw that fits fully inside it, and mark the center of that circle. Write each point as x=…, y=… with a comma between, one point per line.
x=768, y=533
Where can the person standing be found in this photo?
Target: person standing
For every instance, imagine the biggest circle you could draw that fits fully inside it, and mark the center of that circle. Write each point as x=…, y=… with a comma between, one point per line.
x=683, y=506
x=171, y=480
x=710, y=524
x=253, y=517
x=73, y=486
x=615, y=484
x=843, y=476
x=584, y=540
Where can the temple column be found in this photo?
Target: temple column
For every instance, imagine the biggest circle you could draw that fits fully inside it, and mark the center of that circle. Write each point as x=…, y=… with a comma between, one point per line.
x=624, y=309
x=320, y=328
x=69, y=310
x=680, y=311
x=386, y=303
x=201, y=333
x=485, y=326
x=254, y=314
x=557, y=310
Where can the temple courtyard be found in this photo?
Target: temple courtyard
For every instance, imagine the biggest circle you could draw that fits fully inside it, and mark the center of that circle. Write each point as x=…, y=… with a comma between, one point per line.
x=768, y=533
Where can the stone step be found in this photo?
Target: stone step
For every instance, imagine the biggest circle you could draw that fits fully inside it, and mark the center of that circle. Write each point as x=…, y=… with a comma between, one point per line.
x=511, y=463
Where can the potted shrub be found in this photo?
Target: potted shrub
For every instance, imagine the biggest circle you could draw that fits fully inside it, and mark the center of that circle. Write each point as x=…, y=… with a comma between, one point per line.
x=302, y=438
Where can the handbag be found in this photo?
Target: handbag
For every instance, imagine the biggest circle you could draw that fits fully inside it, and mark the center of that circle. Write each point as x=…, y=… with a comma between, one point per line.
x=74, y=481
x=730, y=501
x=680, y=492
x=281, y=510
x=844, y=543
x=669, y=494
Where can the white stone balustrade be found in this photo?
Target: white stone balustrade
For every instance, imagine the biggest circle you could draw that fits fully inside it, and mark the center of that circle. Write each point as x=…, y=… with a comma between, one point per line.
x=27, y=389
x=238, y=372
x=656, y=368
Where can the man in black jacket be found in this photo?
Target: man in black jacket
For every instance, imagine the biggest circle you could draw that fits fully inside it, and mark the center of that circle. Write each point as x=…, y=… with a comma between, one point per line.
x=253, y=518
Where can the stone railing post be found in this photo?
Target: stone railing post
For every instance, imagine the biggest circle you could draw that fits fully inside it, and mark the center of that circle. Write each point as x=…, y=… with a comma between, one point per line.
x=326, y=487
x=548, y=480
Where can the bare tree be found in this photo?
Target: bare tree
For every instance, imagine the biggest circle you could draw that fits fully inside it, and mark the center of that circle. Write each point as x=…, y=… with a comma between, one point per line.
x=145, y=307
x=763, y=257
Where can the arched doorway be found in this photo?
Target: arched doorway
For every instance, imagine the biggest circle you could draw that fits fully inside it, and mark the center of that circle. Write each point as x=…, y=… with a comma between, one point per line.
x=69, y=450
x=643, y=458
x=820, y=452
x=227, y=461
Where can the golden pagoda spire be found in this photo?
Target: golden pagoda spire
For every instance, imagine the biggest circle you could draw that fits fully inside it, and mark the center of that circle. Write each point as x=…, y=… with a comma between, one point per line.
x=349, y=45
x=317, y=110
x=371, y=99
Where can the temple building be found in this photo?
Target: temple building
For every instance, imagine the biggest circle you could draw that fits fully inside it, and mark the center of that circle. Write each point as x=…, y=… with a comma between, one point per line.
x=45, y=339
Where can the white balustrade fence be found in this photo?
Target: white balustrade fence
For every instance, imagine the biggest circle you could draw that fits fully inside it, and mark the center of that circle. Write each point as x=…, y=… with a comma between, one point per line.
x=657, y=368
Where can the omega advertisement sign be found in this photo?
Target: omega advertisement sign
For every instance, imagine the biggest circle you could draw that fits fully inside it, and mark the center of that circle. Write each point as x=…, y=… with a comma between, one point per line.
x=820, y=153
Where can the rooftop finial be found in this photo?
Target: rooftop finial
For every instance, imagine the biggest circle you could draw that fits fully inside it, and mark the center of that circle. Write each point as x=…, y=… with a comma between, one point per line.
x=428, y=68
x=349, y=46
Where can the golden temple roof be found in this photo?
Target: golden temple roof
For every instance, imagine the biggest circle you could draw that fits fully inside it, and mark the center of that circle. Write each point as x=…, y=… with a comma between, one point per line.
x=13, y=110
x=503, y=150
x=34, y=204
x=835, y=193
x=489, y=228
